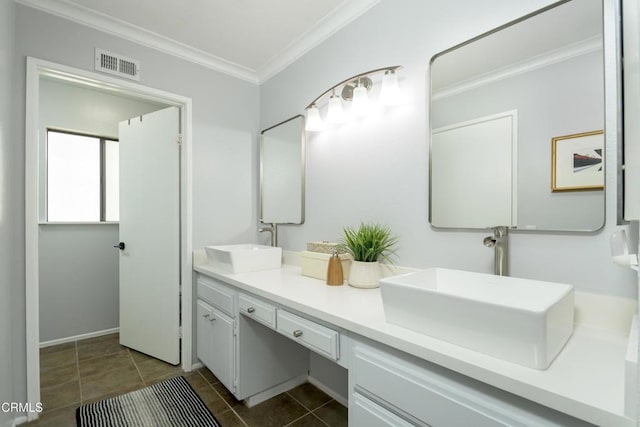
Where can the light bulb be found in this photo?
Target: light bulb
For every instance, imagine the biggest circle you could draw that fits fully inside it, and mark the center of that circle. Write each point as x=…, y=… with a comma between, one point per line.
x=313, y=122
x=360, y=102
x=335, y=113
x=390, y=91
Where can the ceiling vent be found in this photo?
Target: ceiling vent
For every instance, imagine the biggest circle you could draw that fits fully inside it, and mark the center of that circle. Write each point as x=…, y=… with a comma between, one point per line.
x=117, y=65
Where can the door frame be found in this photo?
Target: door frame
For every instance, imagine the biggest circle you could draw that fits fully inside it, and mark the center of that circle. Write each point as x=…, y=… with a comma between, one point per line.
x=35, y=69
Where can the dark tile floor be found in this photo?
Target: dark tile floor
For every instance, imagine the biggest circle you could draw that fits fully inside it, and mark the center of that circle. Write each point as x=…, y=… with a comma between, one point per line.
x=98, y=368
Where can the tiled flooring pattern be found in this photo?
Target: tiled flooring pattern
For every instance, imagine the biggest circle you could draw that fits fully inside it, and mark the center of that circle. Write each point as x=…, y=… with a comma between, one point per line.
x=98, y=368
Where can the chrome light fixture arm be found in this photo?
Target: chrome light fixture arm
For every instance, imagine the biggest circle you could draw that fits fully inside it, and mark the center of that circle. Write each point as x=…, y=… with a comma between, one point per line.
x=350, y=84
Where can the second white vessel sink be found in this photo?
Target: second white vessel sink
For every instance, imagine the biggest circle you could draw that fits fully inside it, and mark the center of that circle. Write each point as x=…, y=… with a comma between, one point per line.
x=244, y=258
x=522, y=321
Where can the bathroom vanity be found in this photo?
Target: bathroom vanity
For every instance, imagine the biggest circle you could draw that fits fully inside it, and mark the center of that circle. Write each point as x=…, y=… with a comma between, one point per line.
x=255, y=332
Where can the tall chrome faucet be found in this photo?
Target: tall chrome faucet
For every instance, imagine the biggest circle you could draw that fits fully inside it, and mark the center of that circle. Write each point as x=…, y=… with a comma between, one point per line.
x=500, y=243
x=274, y=233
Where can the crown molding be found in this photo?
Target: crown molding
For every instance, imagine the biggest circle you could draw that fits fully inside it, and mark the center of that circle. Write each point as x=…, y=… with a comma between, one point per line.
x=348, y=11
x=117, y=27
x=340, y=17
x=573, y=50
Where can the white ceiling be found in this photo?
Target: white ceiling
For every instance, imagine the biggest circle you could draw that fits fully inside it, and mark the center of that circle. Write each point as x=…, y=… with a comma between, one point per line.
x=252, y=39
x=563, y=31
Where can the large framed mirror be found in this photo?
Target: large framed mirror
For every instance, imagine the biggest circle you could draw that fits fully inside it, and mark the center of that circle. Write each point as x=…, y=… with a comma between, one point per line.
x=282, y=172
x=516, y=124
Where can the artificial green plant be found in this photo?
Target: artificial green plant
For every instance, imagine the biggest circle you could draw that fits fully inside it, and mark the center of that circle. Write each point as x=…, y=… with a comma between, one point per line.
x=370, y=242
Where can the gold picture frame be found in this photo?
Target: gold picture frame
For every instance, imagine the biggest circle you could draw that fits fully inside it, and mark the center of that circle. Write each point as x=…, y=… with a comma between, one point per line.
x=577, y=162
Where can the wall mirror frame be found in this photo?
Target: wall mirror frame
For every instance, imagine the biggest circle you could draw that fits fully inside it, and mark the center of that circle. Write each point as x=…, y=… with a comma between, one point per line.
x=282, y=172
x=497, y=101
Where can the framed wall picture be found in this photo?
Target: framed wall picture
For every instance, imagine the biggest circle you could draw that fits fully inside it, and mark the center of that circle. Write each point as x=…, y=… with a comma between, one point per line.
x=577, y=162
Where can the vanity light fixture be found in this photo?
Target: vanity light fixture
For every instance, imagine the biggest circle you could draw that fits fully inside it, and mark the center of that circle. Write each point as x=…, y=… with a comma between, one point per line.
x=335, y=112
x=313, y=122
x=360, y=101
x=390, y=90
x=354, y=90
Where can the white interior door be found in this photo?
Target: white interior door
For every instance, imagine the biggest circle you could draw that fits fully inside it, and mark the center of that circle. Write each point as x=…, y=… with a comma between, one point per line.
x=150, y=231
x=474, y=173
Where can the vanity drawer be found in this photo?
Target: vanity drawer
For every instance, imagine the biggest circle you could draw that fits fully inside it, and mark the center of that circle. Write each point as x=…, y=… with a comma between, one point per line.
x=318, y=338
x=257, y=310
x=217, y=294
x=414, y=391
x=367, y=413
x=435, y=396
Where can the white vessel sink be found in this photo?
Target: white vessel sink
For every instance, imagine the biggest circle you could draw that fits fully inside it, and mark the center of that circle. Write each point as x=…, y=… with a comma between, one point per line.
x=522, y=321
x=244, y=258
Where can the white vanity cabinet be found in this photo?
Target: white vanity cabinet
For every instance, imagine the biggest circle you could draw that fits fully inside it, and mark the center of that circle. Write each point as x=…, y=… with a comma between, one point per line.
x=290, y=328
x=223, y=337
x=389, y=388
x=216, y=343
x=237, y=340
x=204, y=338
x=265, y=357
x=216, y=330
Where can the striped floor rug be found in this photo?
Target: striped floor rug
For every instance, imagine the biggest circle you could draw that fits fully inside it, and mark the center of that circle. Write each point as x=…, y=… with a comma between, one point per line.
x=171, y=403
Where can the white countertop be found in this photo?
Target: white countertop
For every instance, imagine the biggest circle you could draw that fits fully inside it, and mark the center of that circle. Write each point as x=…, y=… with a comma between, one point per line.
x=586, y=380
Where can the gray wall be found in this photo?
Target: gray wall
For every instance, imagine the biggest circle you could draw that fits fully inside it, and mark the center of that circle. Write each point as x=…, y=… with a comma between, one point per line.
x=376, y=170
x=79, y=285
x=7, y=199
x=560, y=99
x=79, y=291
x=330, y=374
x=225, y=137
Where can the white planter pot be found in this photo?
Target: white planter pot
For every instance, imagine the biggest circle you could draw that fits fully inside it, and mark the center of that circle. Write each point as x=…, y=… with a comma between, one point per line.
x=364, y=274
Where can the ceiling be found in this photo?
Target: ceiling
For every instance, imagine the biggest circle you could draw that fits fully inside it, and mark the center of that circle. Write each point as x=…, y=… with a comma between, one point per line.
x=563, y=31
x=251, y=39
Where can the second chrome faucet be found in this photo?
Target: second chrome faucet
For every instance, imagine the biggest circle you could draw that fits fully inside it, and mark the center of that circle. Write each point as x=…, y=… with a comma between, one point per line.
x=274, y=233
x=500, y=243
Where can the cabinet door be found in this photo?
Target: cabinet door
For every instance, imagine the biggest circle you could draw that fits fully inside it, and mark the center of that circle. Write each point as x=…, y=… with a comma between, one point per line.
x=223, y=349
x=204, y=337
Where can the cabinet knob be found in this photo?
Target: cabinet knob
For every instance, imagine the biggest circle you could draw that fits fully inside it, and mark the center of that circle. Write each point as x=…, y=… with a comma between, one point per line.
x=212, y=319
x=297, y=333
x=206, y=316
x=250, y=310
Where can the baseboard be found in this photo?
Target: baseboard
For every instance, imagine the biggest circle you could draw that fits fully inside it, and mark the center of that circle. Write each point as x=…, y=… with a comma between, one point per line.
x=196, y=365
x=332, y=393
x=78, y=337
x=274, y=391
x=20, y=420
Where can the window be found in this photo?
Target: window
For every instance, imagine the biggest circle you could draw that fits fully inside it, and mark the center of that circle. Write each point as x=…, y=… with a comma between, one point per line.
x=82, y=178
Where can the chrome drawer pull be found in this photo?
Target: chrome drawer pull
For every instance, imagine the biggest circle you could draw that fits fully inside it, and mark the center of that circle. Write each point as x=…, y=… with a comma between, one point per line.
x=297, y=333
x=206, y=316
x=250, y=310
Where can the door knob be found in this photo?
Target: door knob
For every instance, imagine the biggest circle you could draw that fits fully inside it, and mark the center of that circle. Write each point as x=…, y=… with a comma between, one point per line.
x=119, y=246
